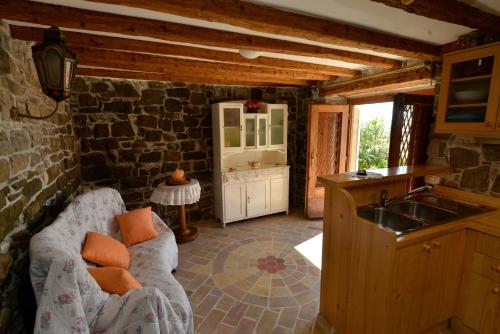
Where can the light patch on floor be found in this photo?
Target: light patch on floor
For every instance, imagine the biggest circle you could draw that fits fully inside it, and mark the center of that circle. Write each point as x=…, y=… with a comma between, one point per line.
x=311, y=249
x=256, y=276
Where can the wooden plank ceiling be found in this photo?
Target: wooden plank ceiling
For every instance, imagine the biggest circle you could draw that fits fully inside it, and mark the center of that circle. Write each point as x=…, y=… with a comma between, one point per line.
x=128, y=55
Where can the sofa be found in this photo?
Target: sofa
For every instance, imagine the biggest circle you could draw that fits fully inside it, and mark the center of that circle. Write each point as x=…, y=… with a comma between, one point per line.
x=70, y=300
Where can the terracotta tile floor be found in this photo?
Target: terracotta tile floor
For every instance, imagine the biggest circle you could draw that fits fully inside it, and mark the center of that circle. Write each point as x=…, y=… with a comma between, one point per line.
x=249, y=278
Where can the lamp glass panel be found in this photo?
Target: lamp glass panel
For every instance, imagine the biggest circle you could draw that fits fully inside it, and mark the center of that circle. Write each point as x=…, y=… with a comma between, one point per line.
x=68, y=73
x=54, y=67
x=40, y=70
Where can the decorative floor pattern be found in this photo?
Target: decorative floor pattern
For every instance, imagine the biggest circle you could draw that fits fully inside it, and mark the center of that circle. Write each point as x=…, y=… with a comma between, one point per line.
x=249, y=278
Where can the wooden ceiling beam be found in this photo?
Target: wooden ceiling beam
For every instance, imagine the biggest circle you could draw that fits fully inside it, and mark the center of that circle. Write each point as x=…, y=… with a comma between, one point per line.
x=68, y=17
x=413, y=77
x=153, y=63
x=275, y=21
x=451, y=11
x=223, y=80
x=125, y=44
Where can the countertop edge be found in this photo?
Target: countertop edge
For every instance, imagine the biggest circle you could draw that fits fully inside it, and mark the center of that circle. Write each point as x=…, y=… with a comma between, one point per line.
x=388, y=174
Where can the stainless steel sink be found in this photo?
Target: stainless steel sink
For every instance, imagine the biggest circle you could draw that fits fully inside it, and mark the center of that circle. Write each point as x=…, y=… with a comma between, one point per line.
x=422, y=212
x=419, y=211
x=384, y=217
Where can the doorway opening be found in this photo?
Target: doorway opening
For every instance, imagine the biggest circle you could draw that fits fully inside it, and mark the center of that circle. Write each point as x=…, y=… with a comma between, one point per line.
x=371, y=135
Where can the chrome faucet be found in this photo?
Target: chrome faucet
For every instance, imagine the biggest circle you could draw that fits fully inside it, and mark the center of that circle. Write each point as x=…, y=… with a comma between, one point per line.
x=383, y=194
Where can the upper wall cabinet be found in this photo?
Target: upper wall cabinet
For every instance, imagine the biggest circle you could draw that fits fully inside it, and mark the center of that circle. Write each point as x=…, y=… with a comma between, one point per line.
x=470, y=91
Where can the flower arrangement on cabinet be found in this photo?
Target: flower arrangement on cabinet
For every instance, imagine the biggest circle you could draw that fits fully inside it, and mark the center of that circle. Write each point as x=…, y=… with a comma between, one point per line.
x=253, y=106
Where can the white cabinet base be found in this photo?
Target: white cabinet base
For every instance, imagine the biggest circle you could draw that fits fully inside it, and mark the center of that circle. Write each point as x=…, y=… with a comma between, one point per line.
x=254, y=193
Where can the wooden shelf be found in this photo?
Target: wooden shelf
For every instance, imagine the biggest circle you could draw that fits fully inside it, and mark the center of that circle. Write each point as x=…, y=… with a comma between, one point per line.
x=468, y=105
x=477, y=77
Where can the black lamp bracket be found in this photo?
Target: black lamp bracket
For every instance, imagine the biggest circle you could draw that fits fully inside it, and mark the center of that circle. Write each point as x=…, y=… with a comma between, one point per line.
x=28, y=114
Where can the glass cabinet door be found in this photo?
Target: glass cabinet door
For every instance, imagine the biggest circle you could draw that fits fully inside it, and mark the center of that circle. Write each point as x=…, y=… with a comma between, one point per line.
x=262, y=132
x=250, y=131
x=278, y=118
x=232, y=127
x=469, y=100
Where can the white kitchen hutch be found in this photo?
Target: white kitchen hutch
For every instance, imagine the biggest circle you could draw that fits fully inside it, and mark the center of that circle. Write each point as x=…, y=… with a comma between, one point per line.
x=242, y=191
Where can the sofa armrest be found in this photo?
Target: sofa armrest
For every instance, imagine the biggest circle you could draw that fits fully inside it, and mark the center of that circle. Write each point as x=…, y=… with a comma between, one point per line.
x=159, y=224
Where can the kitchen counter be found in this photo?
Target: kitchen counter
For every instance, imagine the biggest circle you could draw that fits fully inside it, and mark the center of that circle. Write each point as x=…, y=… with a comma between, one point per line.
x=388, y=174
x=375, y=281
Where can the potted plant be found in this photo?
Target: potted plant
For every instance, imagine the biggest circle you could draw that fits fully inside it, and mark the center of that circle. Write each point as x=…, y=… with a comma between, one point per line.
x=253, y=106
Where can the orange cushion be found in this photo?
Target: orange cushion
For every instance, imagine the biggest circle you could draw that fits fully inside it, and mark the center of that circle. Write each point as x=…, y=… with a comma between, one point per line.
x=136, y=226
x=114, y=280
x=105, y=251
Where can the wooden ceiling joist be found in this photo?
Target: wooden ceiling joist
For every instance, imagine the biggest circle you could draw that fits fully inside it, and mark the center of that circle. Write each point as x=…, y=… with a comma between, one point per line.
x=451, y=11
x=75, y=39
x=409, y=78
x=159, y=64
x=271, y=20
x=223, y=80
x=68, y=17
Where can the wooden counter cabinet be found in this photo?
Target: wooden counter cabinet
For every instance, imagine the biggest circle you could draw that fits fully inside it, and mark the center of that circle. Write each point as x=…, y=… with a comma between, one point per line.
x=426, y=283
x=478, y=308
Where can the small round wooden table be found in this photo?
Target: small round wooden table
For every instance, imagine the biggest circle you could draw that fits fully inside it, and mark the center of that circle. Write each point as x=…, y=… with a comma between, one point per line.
x=180, y=195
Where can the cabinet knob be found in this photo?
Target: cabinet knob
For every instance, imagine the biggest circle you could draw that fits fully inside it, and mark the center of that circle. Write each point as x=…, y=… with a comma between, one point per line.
x=497, y=268
x=436, y=244
x=426, y=247
x=495, y=290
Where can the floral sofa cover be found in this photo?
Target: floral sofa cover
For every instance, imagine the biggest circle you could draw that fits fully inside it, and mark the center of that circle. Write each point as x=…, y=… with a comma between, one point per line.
x=70, y=300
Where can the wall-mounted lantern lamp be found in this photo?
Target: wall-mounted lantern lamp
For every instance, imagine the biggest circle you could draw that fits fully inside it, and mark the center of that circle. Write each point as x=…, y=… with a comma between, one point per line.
x=56, y=68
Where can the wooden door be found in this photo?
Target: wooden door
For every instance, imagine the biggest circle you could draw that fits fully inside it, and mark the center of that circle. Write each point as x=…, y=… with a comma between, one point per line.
x=234, y=201
x=326, y=151
x=258, y=199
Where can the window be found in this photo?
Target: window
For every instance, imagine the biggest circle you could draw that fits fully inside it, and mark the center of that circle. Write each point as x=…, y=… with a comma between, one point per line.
x=370, y=139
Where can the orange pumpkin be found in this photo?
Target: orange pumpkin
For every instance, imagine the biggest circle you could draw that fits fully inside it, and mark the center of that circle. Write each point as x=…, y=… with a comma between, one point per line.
x=177, y=175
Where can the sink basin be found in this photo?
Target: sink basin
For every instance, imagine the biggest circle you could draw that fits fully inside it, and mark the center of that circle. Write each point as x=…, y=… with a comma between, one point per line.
x=418, y=211
x=423, y=212
x=398, y=223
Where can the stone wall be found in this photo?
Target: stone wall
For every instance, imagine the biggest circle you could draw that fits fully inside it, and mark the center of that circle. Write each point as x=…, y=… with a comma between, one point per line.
x=475, y=164
x=133, y=133
x=38, y=171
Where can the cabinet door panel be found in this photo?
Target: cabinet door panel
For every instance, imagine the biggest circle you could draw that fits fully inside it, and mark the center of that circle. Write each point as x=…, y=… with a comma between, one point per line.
x=258, y=198
x=406, y=299
x=442, y=279
x=490, y=317
x=234, y=201
x=279, y=194
x=232, y=127
x=277, y=125
x=473, y=294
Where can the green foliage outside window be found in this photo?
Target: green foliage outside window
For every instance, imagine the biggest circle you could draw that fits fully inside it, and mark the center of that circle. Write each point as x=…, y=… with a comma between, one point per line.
x=373, y=145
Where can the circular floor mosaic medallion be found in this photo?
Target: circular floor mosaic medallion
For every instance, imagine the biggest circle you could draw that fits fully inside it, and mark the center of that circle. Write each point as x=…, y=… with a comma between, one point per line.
x=267, y=272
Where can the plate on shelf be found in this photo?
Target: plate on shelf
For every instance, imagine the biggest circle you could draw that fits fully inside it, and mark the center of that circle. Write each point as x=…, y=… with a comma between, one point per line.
x=470, y=96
